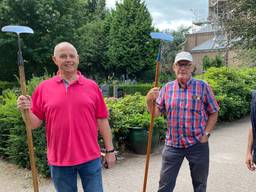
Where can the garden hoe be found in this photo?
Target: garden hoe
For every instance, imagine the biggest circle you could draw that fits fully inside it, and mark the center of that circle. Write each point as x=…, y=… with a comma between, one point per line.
x=162, y=37
x=18, y=30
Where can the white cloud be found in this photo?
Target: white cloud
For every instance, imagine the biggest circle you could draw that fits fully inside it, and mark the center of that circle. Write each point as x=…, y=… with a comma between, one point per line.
x=156, y=15
x=110, y=4
x=172, y=25
x=172, y=14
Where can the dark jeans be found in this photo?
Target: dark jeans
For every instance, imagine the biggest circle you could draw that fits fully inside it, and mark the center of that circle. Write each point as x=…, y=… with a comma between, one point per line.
x=65, y=178
x=172, y=158
x=253, y=121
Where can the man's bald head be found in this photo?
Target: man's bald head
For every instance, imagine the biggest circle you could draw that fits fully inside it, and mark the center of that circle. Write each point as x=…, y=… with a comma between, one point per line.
x=66, y=58
x=61, y=45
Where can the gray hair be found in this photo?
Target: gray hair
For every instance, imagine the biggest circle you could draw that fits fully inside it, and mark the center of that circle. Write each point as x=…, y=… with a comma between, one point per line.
x=64, y=43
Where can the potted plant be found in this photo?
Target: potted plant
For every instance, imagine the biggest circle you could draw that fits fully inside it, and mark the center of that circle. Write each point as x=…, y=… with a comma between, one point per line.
x=137, y=139
x=130, y=120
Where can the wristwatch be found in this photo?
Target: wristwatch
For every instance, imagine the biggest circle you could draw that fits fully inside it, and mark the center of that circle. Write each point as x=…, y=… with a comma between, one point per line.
x=110, y=151
x=208, y=134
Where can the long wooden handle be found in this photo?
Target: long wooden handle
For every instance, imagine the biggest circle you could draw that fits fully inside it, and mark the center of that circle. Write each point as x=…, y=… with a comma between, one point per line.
x=29, y=131
x=150, y=133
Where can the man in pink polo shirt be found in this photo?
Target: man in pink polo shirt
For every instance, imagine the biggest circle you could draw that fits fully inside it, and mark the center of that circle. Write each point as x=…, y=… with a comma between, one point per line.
x=73, y=109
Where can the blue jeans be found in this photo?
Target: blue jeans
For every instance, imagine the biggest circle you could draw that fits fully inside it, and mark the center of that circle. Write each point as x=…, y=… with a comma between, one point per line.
x=172, y=158
x=65, y=177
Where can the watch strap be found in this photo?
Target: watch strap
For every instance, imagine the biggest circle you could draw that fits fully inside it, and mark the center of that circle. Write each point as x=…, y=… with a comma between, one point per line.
x=208, y=134
x=110, y=151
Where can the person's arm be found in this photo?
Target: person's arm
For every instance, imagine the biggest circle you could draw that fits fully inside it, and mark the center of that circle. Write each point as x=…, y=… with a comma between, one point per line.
x=106, y=134
x=150, y=98
x=24, y=102
x=249, y=158
x=212, y=119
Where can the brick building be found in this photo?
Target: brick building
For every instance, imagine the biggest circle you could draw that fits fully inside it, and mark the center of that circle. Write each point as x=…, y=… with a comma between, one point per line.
x=208, y=38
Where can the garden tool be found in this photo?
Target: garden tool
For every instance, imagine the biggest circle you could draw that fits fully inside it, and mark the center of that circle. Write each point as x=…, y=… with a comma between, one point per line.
x=162, y=37
x=18, y=30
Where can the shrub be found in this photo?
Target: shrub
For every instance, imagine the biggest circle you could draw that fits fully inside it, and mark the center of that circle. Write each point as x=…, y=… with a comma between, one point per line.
x=232, y=89
x=13, y=132
x=127, y=112
x=130, y=89
x=9, y=117
x=215, y=62
x=7, y=85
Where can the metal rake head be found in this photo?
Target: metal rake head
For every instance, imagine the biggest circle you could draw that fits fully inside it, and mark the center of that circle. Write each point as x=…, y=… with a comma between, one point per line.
x=17, y=29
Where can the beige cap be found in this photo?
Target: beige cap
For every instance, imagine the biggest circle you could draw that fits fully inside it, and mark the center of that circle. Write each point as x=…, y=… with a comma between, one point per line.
x=183, y=56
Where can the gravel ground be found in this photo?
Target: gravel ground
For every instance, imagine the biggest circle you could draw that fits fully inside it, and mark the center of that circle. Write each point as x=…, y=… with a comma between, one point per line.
x=228, y=172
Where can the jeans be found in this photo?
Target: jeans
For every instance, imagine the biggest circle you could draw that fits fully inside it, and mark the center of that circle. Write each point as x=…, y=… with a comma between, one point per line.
x=172, y=158
x=253, y=121
x=65, y=177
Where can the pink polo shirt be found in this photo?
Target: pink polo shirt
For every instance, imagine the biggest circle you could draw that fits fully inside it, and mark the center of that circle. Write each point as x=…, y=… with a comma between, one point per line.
x=70, y=114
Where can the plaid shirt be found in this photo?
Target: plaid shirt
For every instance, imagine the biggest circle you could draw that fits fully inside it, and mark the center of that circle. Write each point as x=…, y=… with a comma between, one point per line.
x=187, y=111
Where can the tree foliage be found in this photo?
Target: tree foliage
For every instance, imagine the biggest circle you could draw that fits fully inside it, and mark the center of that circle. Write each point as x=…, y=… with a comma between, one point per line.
x=53, y=21
x=241, y=21
x=169, y=51
x=129, y=43
x=212, y=62
x=246, y=57
x=92, y=48
x=113, y=43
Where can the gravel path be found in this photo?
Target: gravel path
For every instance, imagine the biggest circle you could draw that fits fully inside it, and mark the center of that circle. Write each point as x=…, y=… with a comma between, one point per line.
x=228, y=172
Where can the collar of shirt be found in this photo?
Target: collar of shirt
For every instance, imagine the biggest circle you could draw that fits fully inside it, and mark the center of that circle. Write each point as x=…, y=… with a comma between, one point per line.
x=79, y=79
x=184, y=86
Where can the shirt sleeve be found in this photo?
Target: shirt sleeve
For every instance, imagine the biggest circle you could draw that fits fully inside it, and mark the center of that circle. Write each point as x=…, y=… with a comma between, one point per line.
x=101, y=107
x=37, y=103
x=160, y=101
x=211, y=105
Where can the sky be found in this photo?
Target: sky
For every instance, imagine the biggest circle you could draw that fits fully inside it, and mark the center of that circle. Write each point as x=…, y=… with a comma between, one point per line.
x=171, y=14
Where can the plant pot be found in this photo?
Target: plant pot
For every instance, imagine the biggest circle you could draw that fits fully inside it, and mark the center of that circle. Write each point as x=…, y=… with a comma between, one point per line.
x=138, y=140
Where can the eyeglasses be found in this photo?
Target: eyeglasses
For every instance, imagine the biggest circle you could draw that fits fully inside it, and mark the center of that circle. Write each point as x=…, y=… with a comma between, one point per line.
x=186, y=65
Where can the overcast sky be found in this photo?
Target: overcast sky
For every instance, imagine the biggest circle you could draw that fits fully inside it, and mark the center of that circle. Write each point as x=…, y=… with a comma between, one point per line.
x=170, y=14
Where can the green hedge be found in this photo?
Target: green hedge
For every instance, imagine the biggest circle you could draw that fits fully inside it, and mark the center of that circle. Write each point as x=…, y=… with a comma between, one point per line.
x=232, y=88
x=130, y=89
x=7, y=85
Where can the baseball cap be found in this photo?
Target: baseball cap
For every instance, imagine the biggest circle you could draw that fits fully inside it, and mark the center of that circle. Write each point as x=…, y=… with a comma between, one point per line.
x=183, y=56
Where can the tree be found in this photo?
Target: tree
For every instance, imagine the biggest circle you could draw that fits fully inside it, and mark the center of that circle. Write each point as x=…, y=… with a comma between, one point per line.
x=246, y=57
x=92, y=49
x=130, y=47
x=241, y=22
x=213, y=62
x=53, y=21
x=92, y=42
x=169, y=51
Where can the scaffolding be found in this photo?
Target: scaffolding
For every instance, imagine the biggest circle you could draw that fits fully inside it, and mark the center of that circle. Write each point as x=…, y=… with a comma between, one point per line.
x=216, y=17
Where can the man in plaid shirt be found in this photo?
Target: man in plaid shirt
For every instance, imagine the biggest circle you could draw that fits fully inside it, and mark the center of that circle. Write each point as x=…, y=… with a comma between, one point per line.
x=192, y=112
